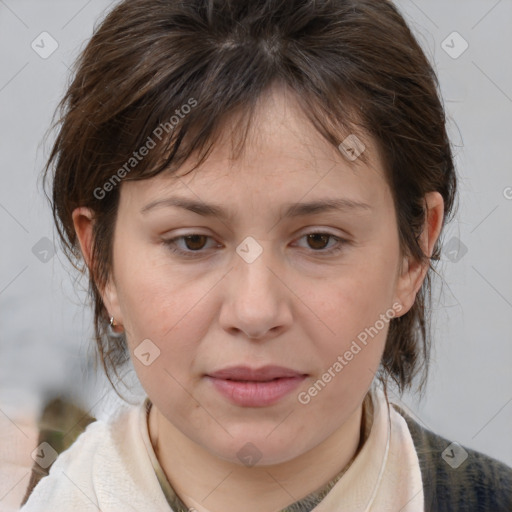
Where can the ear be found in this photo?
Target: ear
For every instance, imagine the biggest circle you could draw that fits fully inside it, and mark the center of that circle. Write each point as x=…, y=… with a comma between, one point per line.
x=412, y=273
x=83, y=221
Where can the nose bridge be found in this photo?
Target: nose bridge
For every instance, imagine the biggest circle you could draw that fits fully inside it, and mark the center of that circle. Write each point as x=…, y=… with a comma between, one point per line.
x=252, y=270
x=255, y=303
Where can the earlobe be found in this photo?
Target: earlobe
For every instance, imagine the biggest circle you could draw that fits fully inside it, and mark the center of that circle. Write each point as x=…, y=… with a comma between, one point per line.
x=412, y=272
x=110, y=299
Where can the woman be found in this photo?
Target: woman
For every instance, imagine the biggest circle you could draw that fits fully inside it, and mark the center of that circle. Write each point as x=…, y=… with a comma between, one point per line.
x=257, y=190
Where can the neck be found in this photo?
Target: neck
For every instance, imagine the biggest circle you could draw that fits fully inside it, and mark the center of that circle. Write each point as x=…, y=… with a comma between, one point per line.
x=207, y=483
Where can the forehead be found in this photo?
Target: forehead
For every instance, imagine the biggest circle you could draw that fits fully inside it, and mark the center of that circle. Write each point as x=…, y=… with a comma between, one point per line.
x=283, y=157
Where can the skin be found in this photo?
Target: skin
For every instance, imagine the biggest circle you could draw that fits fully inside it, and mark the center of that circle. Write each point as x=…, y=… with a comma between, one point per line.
x=291, y=306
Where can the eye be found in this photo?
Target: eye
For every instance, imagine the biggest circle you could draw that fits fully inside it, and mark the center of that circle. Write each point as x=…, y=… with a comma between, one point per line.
x=317, y=240
x=194, y=243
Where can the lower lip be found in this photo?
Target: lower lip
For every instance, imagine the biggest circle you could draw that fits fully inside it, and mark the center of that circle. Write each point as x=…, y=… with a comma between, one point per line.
x=256, y=394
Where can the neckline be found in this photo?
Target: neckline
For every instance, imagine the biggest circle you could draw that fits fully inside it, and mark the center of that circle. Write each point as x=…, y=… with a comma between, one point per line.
x=305, y=504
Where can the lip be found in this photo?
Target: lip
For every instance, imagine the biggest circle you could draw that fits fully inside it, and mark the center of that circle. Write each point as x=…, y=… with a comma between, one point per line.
x=251, y=387
x=246, y=373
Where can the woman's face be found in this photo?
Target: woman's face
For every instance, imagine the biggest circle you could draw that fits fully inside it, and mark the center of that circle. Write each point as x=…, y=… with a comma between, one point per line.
x=253, y=289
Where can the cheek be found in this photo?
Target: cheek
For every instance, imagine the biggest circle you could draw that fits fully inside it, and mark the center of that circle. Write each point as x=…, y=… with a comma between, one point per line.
x=350, y=349
x=357, y=296
x=153, y=296
x=162, y=305
x=174, y=317
x=171, y=315
x=350, y=314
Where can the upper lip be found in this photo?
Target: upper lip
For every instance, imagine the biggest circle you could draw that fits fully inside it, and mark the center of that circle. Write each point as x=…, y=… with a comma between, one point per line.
x=247, y=373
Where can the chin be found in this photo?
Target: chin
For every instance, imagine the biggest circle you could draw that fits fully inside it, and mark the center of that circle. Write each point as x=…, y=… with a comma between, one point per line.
x=256, y=450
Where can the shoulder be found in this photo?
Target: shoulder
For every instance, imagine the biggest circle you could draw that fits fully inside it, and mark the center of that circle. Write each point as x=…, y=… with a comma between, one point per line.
x=458, y=478
x=79, y=474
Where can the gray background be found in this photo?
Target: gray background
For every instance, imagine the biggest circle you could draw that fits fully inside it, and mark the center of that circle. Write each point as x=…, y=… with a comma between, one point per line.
x=45, y=327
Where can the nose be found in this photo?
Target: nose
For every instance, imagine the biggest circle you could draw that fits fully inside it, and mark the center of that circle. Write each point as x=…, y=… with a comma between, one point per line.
x=257, y=300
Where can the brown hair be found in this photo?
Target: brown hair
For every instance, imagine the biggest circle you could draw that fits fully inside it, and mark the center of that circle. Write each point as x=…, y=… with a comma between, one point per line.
x=354, y=65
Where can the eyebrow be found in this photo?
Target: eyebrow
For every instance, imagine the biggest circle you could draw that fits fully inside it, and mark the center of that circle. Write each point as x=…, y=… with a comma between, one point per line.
x=291, y=209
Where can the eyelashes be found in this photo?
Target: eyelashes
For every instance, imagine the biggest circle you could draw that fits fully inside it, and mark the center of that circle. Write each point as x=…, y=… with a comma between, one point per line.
x=195, y=239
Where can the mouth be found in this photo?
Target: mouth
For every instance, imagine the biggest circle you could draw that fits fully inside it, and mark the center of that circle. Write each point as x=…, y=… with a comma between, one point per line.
x=248, y=374
x=249, y=387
